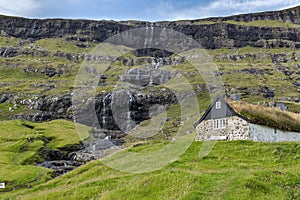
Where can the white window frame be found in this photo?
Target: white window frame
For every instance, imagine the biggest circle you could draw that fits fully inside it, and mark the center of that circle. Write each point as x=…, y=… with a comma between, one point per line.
x=219, y=123
x=218, y=104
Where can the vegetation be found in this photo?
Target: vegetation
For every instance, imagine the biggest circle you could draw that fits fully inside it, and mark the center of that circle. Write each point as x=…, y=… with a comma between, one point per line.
x=232, y=170
x=265, y=23
x=15, y=80
x=257, y=23
x=21, y=143
x=8, y=41
x=61, y=44
x=260, y=171
x=268, y=116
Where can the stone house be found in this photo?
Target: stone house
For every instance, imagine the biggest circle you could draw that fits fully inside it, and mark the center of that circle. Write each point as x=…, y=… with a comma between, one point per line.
x=221, y=122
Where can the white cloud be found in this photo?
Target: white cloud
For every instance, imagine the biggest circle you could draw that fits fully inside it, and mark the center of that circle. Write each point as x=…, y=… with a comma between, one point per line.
x=18, y=7
x=222, y=8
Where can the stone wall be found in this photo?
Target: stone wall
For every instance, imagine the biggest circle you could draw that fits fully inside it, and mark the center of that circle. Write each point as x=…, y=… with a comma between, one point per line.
x=267, y=134
x=236, y=129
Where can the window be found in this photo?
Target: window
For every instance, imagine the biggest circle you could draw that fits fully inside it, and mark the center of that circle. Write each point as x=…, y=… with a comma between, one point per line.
x=218, y=105
x=219, y=123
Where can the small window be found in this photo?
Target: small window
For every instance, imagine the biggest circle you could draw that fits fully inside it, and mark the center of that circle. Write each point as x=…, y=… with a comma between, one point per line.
x=223, y=123
x=215, y=126
x=218, y=104
x=219, y=123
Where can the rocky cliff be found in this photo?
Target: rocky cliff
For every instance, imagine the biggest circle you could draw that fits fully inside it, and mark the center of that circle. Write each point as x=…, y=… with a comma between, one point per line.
x=289, y=15
x=44, y=55
x=217, y=34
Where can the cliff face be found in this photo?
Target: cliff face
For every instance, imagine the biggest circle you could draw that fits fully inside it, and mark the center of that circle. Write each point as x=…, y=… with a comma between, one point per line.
x=38, y=29
x=211, y=36
x=226, y=35
x=289, y=15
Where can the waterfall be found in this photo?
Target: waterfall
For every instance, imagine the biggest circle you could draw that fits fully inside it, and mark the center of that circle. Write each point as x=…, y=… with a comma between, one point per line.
x=34, y=26
x=103, y=122
x=151, y=77
x=149, y=37
x=104, y=110
x=130, y=96
x=128, y=117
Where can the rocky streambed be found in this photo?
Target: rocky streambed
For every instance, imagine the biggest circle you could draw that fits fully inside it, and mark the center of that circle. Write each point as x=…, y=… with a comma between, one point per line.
x=66, y=159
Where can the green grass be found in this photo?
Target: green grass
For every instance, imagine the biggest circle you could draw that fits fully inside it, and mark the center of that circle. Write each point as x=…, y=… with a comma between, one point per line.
x=60, y=44
x=204, y=22
x=249, y=49
x=5, y=113
x=21, y=143
x=201, y=22
x=265, y=23
x=293, y=107
x=19, y=82
x=257, y=23
x=8, y=41
x=232, y=170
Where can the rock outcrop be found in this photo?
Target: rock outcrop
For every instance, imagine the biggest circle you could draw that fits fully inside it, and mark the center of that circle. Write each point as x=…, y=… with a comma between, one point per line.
x=217, y=35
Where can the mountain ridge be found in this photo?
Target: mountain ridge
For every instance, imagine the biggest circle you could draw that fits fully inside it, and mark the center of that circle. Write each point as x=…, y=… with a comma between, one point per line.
x=275, y=15
x=218, y=33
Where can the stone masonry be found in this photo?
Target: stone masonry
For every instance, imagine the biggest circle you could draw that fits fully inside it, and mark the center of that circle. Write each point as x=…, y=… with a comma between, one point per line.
x=236, y=129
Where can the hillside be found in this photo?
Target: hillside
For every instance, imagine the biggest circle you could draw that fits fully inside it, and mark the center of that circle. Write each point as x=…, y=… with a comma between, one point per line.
x=232, y=170
x=24, y=144
x=221, y=32
x=255, y=56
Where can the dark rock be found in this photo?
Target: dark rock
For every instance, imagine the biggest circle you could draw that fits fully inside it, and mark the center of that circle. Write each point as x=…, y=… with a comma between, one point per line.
x=144, y=77
x=122, y=110
x=41, y=117
x=38, y=117
x=56, y=106
x=4, y=98
x=61, y=166
x=8, y=52
x=267, y=92
x=118, y=142
x=217, y=35
x=97, y=145
x=49, y=71
x=157, y=53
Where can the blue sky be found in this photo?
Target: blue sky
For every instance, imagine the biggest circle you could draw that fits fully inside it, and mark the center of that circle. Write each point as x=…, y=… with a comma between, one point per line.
x=149, y=10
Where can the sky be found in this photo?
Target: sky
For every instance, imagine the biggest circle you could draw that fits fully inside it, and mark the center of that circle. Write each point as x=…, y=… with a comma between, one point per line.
x=147, y=10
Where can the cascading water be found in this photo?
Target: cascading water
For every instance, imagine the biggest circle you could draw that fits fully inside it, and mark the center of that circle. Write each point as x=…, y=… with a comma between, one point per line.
x=151, y=77
x=128, y=116
x=104, y=110
x=33, y=28
x=149, y=37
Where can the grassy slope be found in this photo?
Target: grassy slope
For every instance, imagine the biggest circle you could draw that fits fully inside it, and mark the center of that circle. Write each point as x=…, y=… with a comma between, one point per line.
x=282, y=84
x=232, y=170
x=263, y=171
x=20, y=144
x=12, y=74
x=265, y=23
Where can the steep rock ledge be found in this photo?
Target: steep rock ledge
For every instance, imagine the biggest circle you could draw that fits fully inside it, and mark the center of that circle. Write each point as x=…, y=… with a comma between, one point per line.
x=217, y=35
